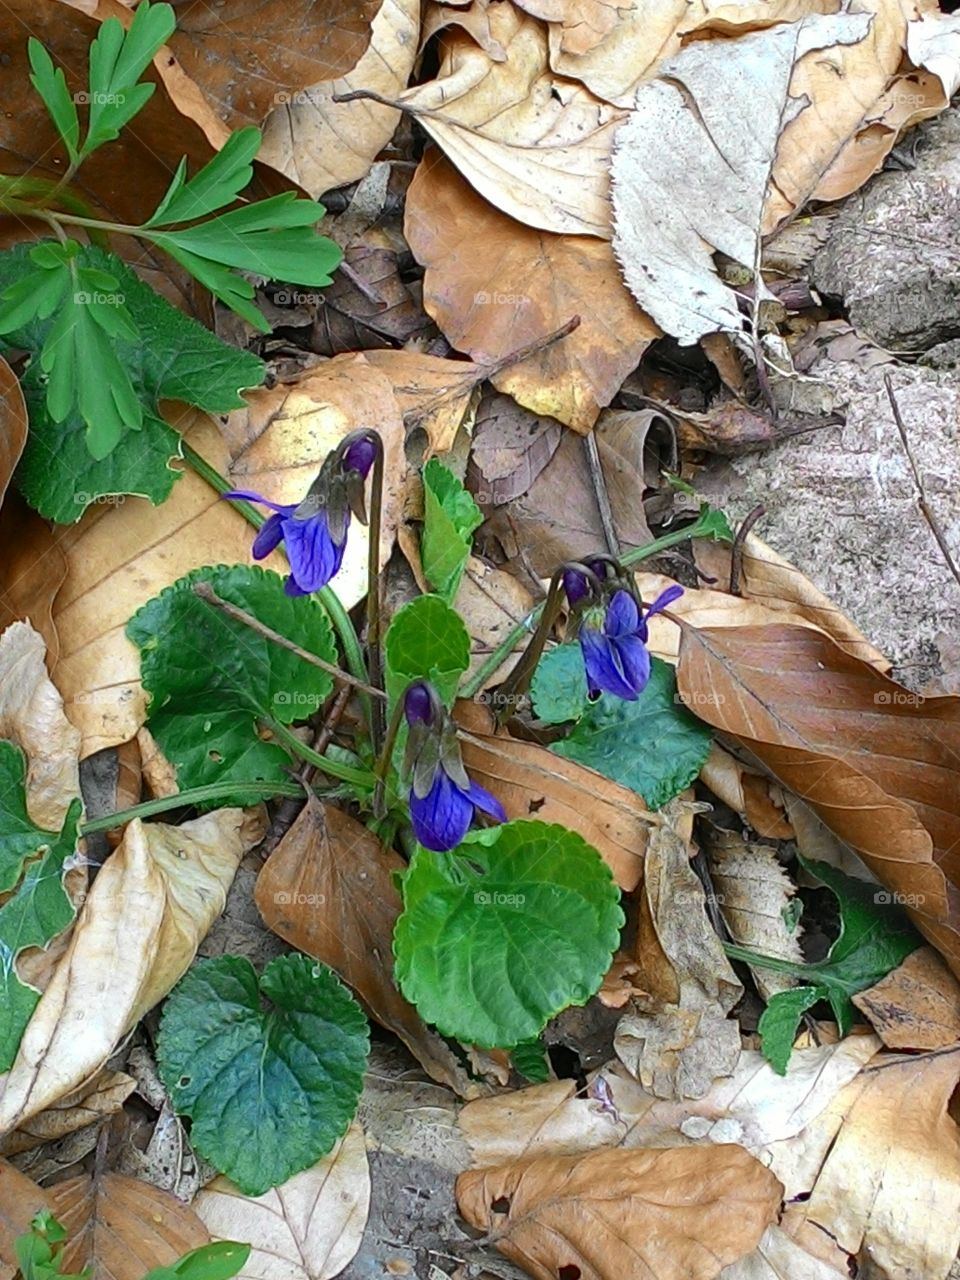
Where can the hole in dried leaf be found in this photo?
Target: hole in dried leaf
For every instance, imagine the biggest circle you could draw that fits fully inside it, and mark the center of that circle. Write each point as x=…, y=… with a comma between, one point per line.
x=569, y=1272
x=500, y=1205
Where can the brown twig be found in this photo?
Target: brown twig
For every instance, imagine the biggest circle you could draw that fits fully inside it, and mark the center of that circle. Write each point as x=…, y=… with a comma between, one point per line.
x=736, y=557
x=600, y=493
x=922, y=503
x=207, y=594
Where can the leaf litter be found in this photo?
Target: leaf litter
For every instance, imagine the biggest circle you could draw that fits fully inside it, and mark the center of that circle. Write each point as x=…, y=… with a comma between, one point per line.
x=576, y=245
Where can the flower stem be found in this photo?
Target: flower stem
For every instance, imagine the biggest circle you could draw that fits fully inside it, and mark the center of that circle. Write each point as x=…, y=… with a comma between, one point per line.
x=333, y=768
x=195, y=795
x=330, y=601
x=503, y=650
x=374, y=664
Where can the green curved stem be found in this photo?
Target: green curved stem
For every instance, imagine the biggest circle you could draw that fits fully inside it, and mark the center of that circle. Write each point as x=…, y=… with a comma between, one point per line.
x=194, y=795
x=335, y=768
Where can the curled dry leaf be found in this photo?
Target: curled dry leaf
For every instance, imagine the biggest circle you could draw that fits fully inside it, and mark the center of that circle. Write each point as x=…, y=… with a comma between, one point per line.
x=120, y=557
x=88, y=1105
x=526, y=284
x=255, y=54
x=916, y=1006
x=530, y=781
x=815, y=78
x=32, y=716
x=307, y=1229
x=32, y=570
x=142, y=921
x=678, y=1214
x=535, y=146
x=896, y=1137
x=122, y=1227
x=754, y=893
x=933, y=42
x=474, y=18
x=876, y=763
x=683, y=1040
x=748, y=793
x=322, y=144
x=328, y=890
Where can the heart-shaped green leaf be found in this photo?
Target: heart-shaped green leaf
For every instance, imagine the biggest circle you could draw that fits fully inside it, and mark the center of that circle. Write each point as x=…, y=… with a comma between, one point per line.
x=214, y=683
x=270, y=1090
x=426, y=640
x=498, y=937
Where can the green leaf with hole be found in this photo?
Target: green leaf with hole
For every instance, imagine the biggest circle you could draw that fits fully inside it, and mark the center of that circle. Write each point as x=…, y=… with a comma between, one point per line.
x=426, y=640
x=653, y=745
x=39, y=907
x=269, y=1071
x=214, y=684
x=173, y=358
x=450, y=517
x=875, y=937
x=498, y=937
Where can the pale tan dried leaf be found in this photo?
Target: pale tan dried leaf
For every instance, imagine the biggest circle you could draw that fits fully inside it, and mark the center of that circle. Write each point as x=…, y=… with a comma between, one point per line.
x=916, y=1006
x=677, y=1214
x=545, y=1119
x=814, y=79
x=323, y=144
x=779, y=1257
x=435, y=396
x=473, y=17
x=85, y=1106
x=526, y=284
x=142, y=921
x=754, y=892
x=613, y=48
x=328, y=890
x=32, y=716
x=748, y=793
x=120, y=557
x=684, y=1039
x=307, y=1229
x=491, y=602
x=159, y=774
x=536, y=146
x=251, y=55
x=897, y=1138
x=530, y=780
x=123, y=1228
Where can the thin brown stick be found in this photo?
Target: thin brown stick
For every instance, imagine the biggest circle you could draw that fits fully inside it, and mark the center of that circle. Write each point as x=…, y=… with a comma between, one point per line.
x=601, y=494
x=922, y=503
x=207, y=594
x=736, y=557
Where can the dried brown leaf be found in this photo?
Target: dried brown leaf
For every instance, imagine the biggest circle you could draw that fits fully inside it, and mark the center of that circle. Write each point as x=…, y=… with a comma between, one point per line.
x=32, y=570
x=88, y=1105
x=531, y=781
x=877, y=763
x=677, y=1214
x=251, y=55
x=20, y=1199
x=525, y=284
x=916, y=1006
x=13, y=424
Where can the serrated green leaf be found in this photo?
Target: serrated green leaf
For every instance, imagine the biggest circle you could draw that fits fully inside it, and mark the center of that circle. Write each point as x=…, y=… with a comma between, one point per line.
x=654, y=745
x=450, y=517
x=269, y=1091
x=118, y=59
x=51, y=84
x=875, y=937
x=495, y=939
x=174, y=358
x=558, y=689
x=426, y=640
x=37, y=911
x=780, y=1022
x=212, y=681
x=217, y=1261
x=218, y=183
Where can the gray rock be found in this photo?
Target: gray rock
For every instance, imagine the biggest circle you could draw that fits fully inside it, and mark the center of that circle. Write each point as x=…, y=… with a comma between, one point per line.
x=893, y=254
x=841, y=504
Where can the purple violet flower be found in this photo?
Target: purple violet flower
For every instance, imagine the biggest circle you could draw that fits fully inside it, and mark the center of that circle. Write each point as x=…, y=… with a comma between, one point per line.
x=314, y=531
x=613, y=641
x=443, y=799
